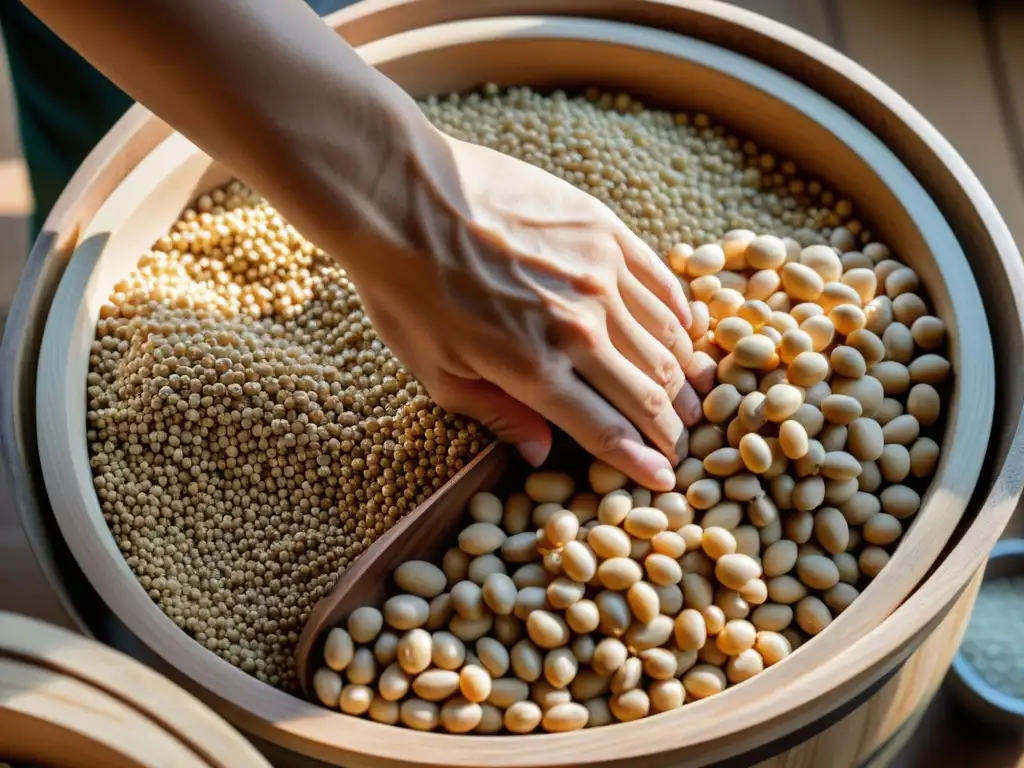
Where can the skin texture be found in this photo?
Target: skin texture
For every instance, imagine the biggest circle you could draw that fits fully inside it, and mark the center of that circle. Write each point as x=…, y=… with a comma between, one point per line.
x=514, y=297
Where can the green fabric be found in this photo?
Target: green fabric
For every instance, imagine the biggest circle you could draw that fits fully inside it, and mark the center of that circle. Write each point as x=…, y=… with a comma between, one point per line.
x=64, y=105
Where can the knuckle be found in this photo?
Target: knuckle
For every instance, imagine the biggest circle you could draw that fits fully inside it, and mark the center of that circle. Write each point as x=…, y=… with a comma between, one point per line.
x=669, y=333
x=667, y=371
x=609, y=439
x=674, y=379
x=583, y=331
x=654, y=402
x=683, y=350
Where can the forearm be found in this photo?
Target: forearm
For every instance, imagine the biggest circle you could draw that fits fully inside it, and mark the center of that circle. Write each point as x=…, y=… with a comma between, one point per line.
x=265, y=87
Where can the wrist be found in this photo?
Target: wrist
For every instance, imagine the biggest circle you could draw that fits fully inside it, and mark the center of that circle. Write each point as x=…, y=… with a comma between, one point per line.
x=333, y=161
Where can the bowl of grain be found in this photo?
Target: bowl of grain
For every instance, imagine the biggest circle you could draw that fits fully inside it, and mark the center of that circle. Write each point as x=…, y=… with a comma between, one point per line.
x=222, y=435
x=988, y=672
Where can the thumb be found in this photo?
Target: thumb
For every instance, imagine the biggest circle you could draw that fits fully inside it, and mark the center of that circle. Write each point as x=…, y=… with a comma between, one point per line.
x=502, y=414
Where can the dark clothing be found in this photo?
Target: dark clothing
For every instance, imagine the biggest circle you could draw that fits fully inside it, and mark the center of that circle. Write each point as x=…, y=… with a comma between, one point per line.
x=64, y=105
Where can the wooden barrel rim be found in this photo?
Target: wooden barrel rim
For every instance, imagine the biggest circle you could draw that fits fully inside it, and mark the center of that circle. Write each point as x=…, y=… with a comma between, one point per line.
x=809, y=731
x=53, y=708
x=137, y=686
x=830, y=71
x=68, y=478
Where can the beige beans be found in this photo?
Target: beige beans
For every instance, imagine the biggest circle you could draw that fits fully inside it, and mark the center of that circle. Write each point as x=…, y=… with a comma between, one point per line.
x=812, y=615
x=704, y=680
x=817, y=571
x=421, y=578
x=499, y=593
x=561, y=528
x=807, y=369
x=419, y=715
x=481, y=538
x=755, y=453
x=735, y=570
x=645, y=522
x=608, y=541
x=556, y=487
x=415, y=651
x=436, y=684
x=721, y=403
x=793, y=439
x=782, y=401
x=565, y=717
x=754, y=351
x=865, y=439
x=723, y=462
x=802, y=282
x=600, y=601
x=404, y=612
x=547, y=630
x=619, y=573
x=523, y=717
x=579, y=561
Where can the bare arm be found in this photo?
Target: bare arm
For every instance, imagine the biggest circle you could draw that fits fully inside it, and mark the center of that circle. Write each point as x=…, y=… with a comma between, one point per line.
x=511, y=295
x=264, y=86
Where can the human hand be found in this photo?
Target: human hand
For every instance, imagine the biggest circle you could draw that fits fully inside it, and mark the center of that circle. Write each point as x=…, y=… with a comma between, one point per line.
x=510, y=294
x=515, y=297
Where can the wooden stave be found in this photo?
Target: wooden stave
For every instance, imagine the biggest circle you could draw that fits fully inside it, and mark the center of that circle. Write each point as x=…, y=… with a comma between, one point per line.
x=270, y=713
x=58, y=684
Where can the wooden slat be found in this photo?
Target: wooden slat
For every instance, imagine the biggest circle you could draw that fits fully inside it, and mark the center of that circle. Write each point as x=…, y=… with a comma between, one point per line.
x=806, y=15
x=934, y=53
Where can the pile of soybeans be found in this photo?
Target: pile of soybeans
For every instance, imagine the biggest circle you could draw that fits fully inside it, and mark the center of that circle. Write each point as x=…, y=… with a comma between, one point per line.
x=250, y=435
x=564, y=607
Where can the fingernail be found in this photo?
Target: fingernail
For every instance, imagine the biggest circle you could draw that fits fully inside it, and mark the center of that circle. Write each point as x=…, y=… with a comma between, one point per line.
x=666, y=479
x=687, y=406
x=535, y=452
x=682, y=446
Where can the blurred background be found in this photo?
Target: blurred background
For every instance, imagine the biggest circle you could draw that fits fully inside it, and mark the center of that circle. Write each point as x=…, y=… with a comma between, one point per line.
x=960, y=63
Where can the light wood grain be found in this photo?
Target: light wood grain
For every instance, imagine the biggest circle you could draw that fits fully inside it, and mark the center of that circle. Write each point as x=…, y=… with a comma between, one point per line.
x=49, y=710
x=68, y=701
x=1005, y=26
x=166, y=706
x=868, y=736
x=919, y=145
x=786, y=115
x=25, y=518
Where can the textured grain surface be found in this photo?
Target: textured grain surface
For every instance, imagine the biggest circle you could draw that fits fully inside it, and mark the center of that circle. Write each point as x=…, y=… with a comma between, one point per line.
x=976, y=54
x=977, y=59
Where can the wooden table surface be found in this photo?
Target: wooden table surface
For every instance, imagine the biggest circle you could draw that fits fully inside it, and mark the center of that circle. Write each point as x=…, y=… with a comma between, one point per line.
x=960, y=63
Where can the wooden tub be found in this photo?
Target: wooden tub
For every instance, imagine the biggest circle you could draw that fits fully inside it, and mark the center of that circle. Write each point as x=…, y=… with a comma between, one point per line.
x=827, y=685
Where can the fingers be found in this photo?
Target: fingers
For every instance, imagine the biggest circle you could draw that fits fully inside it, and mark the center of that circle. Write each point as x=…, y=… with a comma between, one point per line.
x=643, y=350
x=660, y=333
x=652, y=313
x=598, y=427
x=641, y=400
x=700, y=372
x=688, y=406
x=655, y=275
x=510, y=420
